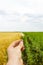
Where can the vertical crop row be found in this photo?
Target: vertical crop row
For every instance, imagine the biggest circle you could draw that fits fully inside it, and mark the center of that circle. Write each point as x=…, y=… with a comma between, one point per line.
x=33, y=53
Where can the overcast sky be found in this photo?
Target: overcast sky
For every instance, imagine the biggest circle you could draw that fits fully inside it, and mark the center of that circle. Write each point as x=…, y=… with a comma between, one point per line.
x=21, y=15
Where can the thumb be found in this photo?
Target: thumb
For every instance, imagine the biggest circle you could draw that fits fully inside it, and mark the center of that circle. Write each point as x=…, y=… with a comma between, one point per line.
x=21, y=46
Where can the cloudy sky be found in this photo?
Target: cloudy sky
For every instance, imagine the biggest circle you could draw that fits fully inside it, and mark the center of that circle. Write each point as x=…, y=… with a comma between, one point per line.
x=21, y=15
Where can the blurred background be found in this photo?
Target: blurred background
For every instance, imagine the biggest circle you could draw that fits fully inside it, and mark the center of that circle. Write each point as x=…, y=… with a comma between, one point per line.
x=21, y=15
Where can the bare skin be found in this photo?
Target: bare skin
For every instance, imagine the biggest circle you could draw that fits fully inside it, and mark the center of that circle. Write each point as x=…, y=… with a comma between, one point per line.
x=14, y=53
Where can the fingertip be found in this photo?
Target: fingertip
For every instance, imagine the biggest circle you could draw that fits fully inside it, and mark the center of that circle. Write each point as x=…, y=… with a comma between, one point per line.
x=21, y=46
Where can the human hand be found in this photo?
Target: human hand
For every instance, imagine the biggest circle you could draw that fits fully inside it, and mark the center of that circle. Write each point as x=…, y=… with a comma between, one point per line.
x=14, y=53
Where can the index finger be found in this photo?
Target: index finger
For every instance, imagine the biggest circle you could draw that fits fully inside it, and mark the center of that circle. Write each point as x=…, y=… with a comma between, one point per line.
x=15, y=43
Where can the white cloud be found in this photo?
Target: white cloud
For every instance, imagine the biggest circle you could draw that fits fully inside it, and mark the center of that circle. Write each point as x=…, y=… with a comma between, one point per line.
x=16, y=22
x=12, y=16
x=13, y=26
x=22, y=6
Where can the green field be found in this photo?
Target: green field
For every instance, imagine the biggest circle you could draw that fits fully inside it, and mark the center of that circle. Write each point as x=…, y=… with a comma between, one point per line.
x=33, y=53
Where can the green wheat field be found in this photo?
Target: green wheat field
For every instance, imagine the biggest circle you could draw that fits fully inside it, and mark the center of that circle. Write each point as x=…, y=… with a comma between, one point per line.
x=33, y=53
